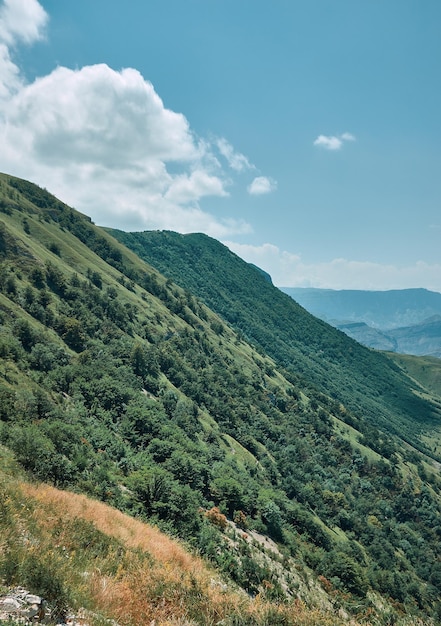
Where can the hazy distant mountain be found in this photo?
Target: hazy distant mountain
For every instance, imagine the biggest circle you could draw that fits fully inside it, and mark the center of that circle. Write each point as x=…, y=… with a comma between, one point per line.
x=420, y=339
x=379, y=309
x=406, y=321
x=367, y=335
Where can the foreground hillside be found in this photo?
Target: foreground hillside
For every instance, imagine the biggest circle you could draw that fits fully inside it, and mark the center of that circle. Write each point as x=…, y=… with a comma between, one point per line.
x=95, y=564
x=303, y=467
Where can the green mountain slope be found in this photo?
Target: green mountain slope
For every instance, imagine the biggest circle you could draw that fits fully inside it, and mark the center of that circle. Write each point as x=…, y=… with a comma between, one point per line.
x=366, y=382
x=426, y=370
x=117, y=382
x=94, y=565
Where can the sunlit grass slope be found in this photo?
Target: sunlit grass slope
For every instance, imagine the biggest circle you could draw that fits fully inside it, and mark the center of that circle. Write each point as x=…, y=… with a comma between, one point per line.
x=82, y=554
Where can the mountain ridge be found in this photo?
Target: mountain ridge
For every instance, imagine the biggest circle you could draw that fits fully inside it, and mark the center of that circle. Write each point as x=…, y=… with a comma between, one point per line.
x=190, y=262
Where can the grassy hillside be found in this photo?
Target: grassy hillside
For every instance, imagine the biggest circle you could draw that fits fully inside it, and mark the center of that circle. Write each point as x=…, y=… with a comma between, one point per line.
x=87, y=558
x=117, y=383
x=426, y=370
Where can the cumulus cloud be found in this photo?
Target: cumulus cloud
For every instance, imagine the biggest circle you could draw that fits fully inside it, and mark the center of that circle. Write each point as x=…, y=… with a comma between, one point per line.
x=262, y=185
x=103, y=141
x=332, y=142
x=290, y=270
x=10, y=80
x=187, y=188
x=97, y=115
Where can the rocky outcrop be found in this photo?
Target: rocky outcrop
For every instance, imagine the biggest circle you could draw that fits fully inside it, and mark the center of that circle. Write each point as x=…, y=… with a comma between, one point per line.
x=23, y=607
x=18, y=606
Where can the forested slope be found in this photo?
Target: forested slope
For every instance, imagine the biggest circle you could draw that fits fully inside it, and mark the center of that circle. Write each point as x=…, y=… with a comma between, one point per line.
x=116, y=382
x=368, y=383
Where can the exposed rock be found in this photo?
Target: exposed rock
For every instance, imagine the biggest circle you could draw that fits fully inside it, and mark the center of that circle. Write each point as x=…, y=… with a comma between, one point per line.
x=9, y=604
x=26, y=608
x=23, y=607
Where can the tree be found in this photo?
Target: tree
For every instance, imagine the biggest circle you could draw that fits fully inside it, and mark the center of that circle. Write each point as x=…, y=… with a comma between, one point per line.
x=344, y=571
x=72, y=333
x=272, y=516
x=229, y=493
x=25, y=333
x=138, y=360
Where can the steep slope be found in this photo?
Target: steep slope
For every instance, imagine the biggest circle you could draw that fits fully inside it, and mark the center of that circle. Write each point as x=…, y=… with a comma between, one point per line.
x=98, y=565
x=426, y=370
x=118, y=383
x=309, y=349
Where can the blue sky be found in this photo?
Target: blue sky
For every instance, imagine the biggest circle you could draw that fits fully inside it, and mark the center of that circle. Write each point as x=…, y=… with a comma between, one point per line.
x=305, y=134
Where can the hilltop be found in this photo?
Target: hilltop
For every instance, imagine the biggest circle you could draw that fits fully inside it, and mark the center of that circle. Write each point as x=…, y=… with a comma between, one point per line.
x=300, y=465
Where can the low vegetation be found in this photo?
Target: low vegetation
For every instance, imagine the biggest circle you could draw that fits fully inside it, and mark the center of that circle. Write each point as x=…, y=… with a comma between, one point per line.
x=82, y=554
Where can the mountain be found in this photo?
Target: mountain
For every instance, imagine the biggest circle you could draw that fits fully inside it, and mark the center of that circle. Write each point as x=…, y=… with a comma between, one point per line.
x=423, y=339
x=405, y=321
x=189, y=392
x=378, y=309
x=420, y=339
x=306, y=347
x=367, y=335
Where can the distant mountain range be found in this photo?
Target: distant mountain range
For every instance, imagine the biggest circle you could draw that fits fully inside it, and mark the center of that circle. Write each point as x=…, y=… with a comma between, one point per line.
x=402, y=320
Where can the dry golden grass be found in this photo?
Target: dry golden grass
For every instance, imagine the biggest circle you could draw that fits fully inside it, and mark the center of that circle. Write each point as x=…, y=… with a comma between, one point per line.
x=132, y=532
x=156, y=581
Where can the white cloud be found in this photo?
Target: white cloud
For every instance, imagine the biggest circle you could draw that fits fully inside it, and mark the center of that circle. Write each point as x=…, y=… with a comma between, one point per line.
x=103, y=141
x=187, y=188
x=235, y=160
x=10, y=80
x=332, y=142
x=22, y=20
x=97, y=115
x=289, y=270
x=262, y=185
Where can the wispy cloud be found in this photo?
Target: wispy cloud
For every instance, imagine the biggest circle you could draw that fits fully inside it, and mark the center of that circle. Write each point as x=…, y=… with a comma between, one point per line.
x=333, y=142
x=262, y=185
x=290, y=270
x=237, y=161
